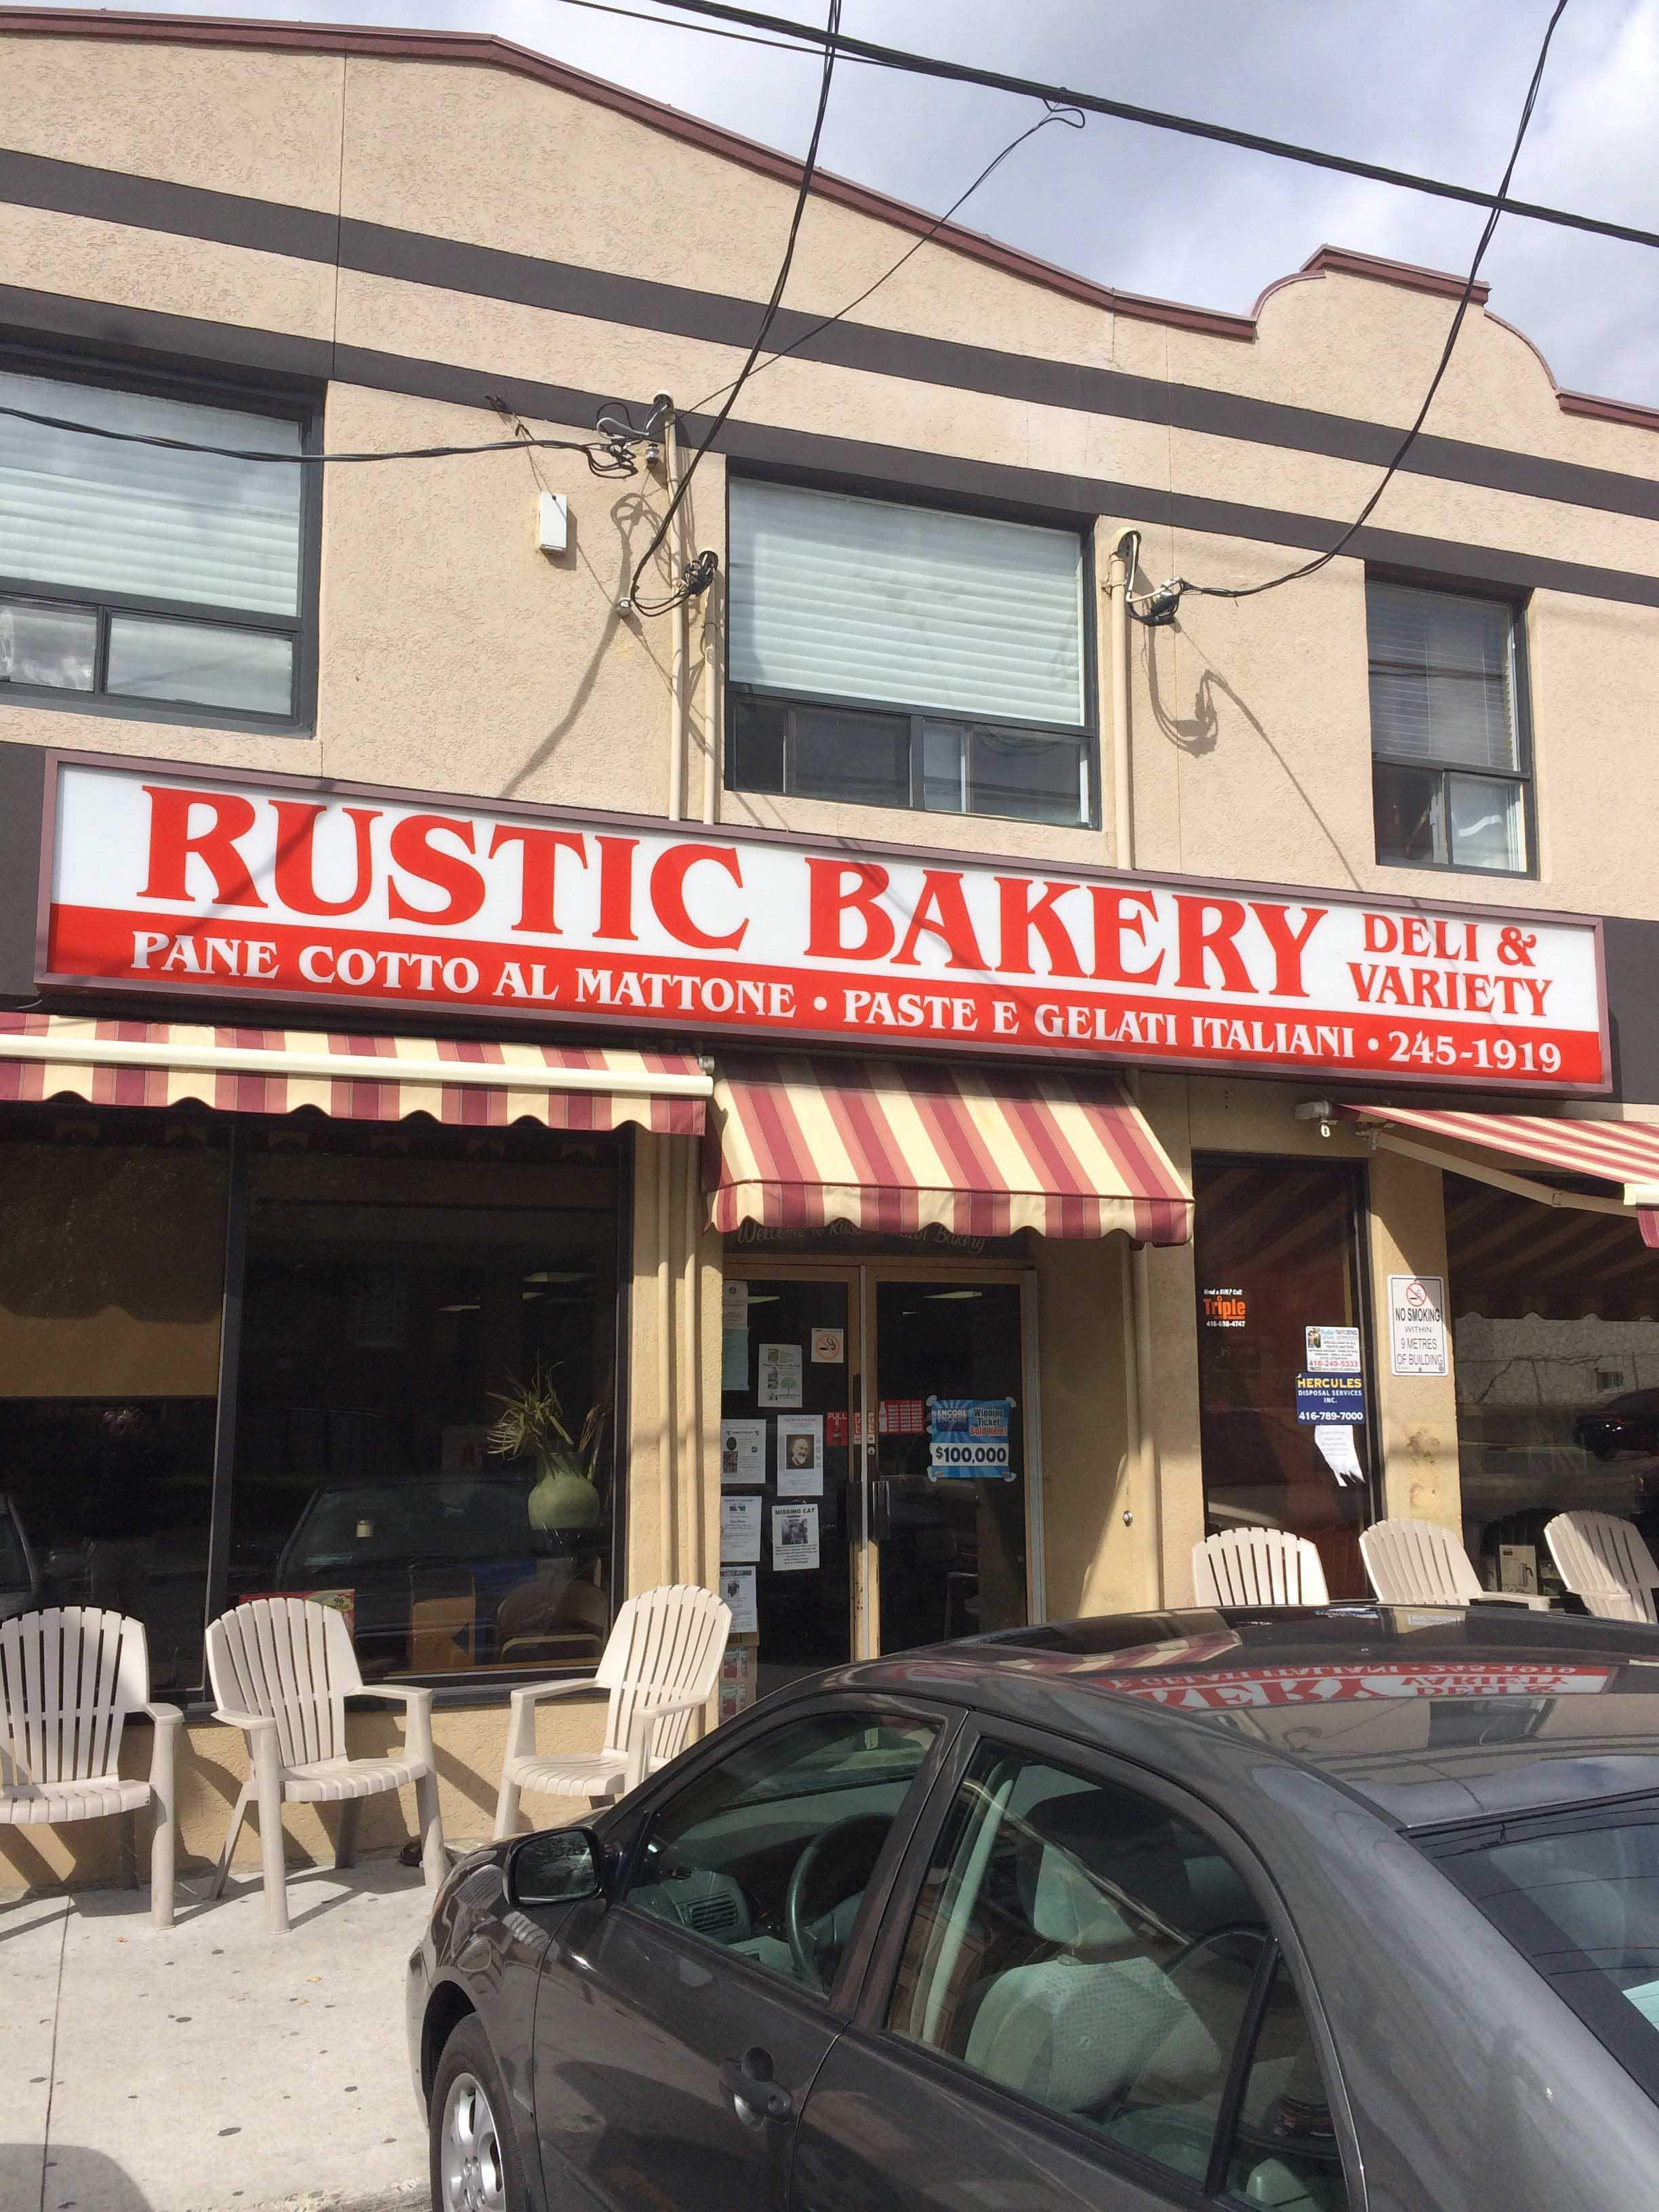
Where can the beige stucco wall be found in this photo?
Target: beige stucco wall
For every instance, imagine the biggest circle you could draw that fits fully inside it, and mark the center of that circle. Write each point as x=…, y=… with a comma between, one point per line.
x=456, y=656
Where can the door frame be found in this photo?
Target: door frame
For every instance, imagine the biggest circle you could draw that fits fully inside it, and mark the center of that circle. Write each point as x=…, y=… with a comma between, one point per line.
x=860, y=1273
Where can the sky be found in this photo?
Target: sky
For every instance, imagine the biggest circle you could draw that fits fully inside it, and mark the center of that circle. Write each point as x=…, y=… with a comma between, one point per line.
x=1434, y=86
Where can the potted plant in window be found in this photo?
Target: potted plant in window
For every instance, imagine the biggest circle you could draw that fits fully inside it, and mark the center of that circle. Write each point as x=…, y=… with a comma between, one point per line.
x=532, y=1425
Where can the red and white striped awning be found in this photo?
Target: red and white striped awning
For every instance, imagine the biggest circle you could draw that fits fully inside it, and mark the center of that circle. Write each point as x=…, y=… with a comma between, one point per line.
x=1622, y=1152
x=354, y=1079
x=896, y=1146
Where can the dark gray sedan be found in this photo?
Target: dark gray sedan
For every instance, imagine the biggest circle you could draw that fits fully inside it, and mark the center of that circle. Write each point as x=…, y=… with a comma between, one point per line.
x=1336, y=1908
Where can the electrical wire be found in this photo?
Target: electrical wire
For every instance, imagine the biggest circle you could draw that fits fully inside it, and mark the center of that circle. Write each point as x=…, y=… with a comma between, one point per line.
x=700, y=574
x=1161, y=602
x=933, y=65
x=707, y=30
x=1072, y=117
x=607, y=457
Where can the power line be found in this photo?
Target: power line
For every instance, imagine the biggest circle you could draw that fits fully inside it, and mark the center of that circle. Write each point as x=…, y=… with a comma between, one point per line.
x=708, y=30
x=1165, y=606
x=699, y=573
x=610, y=456
x=1073, y=119
x=933, y=65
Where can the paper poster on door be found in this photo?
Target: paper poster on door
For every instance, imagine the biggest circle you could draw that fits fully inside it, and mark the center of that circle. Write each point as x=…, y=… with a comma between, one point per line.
x=800, y=1456
x=738, y=1588
x=794, y=1538
x=740, y=1531
x=1329, y=1398
x=1335, y=1442
x=969, y=1436
x=1332, y=1351
x=829, y=1347
x=743, y=1453
x=779, y=1375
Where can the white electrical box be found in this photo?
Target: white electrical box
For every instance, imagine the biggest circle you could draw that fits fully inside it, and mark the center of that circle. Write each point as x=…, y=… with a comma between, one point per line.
x=552, y=522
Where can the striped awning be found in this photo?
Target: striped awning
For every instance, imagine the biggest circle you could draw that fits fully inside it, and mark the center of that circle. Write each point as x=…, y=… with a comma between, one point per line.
x=1622, y=1152
x=352, y=1078
x=896, y=1146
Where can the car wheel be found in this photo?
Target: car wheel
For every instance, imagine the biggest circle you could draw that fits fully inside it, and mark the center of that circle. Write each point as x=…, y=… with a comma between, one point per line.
x=475, y=2157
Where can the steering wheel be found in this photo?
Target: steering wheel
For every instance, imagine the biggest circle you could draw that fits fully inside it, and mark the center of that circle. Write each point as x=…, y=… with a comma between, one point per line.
x=849, y=1849
x=1189, y=1950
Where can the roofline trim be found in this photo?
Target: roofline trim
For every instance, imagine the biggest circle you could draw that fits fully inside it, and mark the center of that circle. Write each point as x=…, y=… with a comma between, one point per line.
x=485, y=51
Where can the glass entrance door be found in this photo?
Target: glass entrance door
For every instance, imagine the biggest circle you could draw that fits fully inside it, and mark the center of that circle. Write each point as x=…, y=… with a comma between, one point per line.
x=952, y=1544
x=850, y=1524
x=791, y=1504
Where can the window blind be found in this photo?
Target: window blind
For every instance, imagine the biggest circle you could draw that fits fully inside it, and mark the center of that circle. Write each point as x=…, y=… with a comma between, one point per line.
x=1440, y=678
x=86, y=514
x=862, y=598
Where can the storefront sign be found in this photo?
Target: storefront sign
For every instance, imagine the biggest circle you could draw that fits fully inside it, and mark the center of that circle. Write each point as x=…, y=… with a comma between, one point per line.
x=222, y=886
x=1417, y=1324
x=969, y=1436
x=1329, y=1398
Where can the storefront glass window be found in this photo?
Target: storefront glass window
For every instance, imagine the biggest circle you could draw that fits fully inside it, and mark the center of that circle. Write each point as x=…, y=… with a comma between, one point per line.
x=1280, y=1356
x=426, y=1412
x=1555, y=1322
x=111, y=1273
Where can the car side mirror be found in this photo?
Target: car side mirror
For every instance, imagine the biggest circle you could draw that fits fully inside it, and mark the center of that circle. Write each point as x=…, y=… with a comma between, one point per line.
x=560, y=1866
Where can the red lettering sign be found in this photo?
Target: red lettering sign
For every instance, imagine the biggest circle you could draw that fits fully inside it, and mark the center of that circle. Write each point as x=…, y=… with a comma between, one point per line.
x=185, y=884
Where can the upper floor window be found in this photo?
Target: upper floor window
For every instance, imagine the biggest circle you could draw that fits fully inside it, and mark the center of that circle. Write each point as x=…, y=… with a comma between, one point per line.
x=1449, y=769
x=131, y=572
x=903, y=656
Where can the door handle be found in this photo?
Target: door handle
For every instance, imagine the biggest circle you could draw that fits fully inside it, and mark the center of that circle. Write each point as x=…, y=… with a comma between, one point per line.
x=881, y=1509
x=756, y=2094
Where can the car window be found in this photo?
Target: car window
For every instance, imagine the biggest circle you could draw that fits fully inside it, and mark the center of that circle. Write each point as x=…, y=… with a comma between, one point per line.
x=1078, y=1944
x=1577, y=1894
x=768, y=1854
x=1284, y=2148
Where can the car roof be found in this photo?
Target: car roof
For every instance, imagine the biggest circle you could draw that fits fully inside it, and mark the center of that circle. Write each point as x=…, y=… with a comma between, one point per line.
x=1436, y=1715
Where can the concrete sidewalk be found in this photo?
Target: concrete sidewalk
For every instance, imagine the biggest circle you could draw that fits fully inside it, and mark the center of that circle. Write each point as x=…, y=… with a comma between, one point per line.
x=214, y=2067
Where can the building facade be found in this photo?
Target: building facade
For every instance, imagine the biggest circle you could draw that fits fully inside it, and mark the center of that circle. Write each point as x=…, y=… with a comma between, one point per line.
x=513, y=1093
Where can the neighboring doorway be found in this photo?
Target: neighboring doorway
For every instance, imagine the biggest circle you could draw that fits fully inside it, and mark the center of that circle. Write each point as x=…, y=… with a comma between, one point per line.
x=835, y=1491
x=1284, y=1357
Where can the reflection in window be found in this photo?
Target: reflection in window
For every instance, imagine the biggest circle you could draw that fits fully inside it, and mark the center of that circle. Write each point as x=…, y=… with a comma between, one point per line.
x=111, y=1270
x=426, y=1418
x=1555, y=1321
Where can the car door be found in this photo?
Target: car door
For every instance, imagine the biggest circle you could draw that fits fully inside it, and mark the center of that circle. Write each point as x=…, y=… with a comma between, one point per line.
x=681, y=2019
x=1078, y=1999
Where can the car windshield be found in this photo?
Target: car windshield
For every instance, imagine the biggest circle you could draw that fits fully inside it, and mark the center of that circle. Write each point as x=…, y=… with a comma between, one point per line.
x=1577, y=1894
x=450, y=1519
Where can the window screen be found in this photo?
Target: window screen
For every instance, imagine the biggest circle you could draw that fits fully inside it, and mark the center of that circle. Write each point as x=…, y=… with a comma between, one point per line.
x=1445, y=729
x=97, y=536
x=898, y=656
x=856, y=598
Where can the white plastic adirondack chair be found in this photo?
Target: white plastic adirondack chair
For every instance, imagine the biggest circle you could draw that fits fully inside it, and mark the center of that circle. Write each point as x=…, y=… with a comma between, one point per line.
x=1258, y=1567
x=281, y=1669
x=69, y=1679
x=1422, y=1563
x=660, y=1665
x=1601, y=1560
